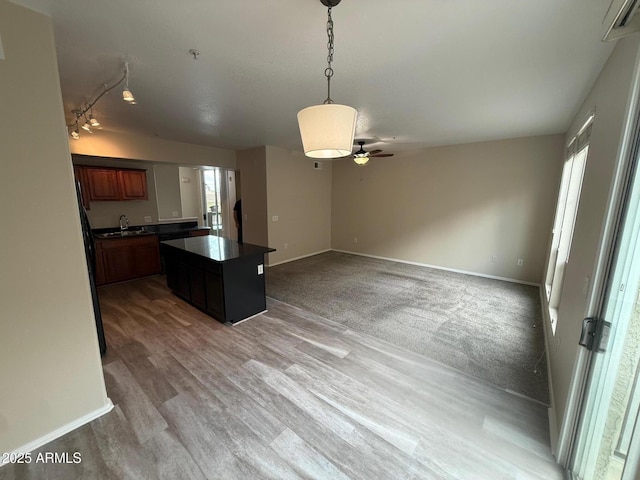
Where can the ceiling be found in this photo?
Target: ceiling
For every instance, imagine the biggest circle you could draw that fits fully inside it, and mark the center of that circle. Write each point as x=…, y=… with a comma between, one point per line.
x=419, y=72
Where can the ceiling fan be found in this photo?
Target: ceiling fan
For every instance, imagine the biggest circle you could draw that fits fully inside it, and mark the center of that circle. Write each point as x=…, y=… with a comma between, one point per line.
x=361, y=157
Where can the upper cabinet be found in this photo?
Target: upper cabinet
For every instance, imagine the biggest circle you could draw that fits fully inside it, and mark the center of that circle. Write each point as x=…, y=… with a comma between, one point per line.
x=113, y=184
x=80, y=174
x=103, y=184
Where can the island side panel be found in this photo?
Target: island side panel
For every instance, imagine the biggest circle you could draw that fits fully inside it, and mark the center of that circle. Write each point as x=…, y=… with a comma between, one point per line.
x=244, y=287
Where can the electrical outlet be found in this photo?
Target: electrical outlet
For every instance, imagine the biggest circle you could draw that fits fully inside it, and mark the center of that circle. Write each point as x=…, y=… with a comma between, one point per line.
x=286, y=245
x=174, y=214
x=147, y=219
x=355, y=240
x=275, y=218
x=260, y=269
x=520, y=262
x=494, y=259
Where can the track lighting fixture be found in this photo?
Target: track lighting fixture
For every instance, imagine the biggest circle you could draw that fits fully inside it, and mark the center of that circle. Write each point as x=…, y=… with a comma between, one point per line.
x=91, y=121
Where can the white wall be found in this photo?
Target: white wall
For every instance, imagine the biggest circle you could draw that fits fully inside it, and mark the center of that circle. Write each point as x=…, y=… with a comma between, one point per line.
x=301, y=199
x=51, y=372
x=454, y=207
x=609, y=96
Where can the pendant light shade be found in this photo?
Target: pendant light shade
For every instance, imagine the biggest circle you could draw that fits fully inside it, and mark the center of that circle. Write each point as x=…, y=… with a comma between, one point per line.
x=327, y=130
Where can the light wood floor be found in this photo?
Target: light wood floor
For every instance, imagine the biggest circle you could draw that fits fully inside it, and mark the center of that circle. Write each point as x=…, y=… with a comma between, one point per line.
x=286, y=395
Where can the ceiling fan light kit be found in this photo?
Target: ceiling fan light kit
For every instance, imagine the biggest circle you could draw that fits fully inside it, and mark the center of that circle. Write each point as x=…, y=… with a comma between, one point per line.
x=361, y=157
x=327, y=130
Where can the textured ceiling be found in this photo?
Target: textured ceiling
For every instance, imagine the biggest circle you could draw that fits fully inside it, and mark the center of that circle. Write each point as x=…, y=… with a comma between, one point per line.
x=420, y=72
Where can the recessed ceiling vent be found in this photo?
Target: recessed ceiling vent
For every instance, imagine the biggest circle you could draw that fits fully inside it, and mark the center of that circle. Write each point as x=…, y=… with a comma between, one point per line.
x=621, y=19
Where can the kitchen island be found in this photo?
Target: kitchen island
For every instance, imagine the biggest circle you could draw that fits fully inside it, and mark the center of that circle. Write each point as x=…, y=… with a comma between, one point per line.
x=221, y=277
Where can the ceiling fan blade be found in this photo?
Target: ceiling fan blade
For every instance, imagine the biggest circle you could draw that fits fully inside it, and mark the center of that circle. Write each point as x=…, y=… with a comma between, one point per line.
x=374, y=152
x=382, y=155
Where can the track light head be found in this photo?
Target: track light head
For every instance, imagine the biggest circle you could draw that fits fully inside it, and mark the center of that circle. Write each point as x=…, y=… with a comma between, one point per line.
x=86, y=127
x=75, y=134
x=93, y=121
x=127, y=96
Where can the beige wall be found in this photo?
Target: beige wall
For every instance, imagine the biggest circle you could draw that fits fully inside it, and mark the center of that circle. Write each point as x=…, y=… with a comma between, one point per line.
x=190, y=193
x=138, y=147
x=301, y=199
x=51, y=371
x=609, y=97
x=253, y=169
x=167, y=182
x=454, y=207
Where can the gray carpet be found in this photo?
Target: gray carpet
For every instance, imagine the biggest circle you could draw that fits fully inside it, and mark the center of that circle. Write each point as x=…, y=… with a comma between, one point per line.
x=477, y=325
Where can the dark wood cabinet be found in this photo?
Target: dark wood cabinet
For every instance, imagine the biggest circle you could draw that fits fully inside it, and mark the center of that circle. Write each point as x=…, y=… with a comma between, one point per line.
x=133, y=184
x=80, y=174
x=113, y=184
x=103, y=184
x=120, y=259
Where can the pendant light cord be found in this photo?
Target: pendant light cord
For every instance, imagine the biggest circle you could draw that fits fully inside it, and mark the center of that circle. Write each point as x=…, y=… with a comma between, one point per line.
x=328, y=72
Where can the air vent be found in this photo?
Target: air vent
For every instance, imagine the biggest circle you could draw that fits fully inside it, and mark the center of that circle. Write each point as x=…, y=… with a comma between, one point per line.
x=621, y=19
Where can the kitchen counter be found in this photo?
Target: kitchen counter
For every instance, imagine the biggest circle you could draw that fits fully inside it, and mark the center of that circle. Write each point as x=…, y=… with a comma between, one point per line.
x=158, y=229
x=221, y=277
x=218, y=249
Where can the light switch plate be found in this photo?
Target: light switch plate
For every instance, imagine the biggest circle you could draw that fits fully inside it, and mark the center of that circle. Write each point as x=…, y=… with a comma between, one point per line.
x=260, y=269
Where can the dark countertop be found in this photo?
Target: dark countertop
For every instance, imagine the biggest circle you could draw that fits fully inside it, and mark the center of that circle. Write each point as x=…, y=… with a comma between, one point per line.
x=154, y=229
x=218, y=249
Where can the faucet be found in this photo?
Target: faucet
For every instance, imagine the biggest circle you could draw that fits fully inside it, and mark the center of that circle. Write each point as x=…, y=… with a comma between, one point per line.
x=124, y=223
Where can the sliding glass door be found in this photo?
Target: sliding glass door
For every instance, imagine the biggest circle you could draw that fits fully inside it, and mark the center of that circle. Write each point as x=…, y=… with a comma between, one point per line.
x=219, y=198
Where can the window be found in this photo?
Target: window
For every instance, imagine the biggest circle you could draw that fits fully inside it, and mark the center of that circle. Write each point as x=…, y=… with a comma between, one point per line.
x=566, y=212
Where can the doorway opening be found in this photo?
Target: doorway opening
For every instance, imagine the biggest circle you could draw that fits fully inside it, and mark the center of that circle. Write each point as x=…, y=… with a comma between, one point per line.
x=219, y=193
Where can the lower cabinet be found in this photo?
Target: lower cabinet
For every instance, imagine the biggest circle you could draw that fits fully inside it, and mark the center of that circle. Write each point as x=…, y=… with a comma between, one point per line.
x=229, y=291
x=120, y=259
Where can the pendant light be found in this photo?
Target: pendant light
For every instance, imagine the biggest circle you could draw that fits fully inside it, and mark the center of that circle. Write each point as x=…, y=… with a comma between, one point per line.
x=328, y=130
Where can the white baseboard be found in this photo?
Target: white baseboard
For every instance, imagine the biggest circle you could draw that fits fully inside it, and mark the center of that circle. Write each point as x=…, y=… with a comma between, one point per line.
x=69, y=427
x=299, y=258
x=437, y=267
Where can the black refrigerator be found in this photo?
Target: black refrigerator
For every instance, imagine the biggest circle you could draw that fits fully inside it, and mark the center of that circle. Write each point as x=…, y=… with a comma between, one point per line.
x=90, y=254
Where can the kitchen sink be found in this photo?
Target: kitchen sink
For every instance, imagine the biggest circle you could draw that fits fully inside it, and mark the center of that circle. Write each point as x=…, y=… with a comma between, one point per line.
x=124, y=233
